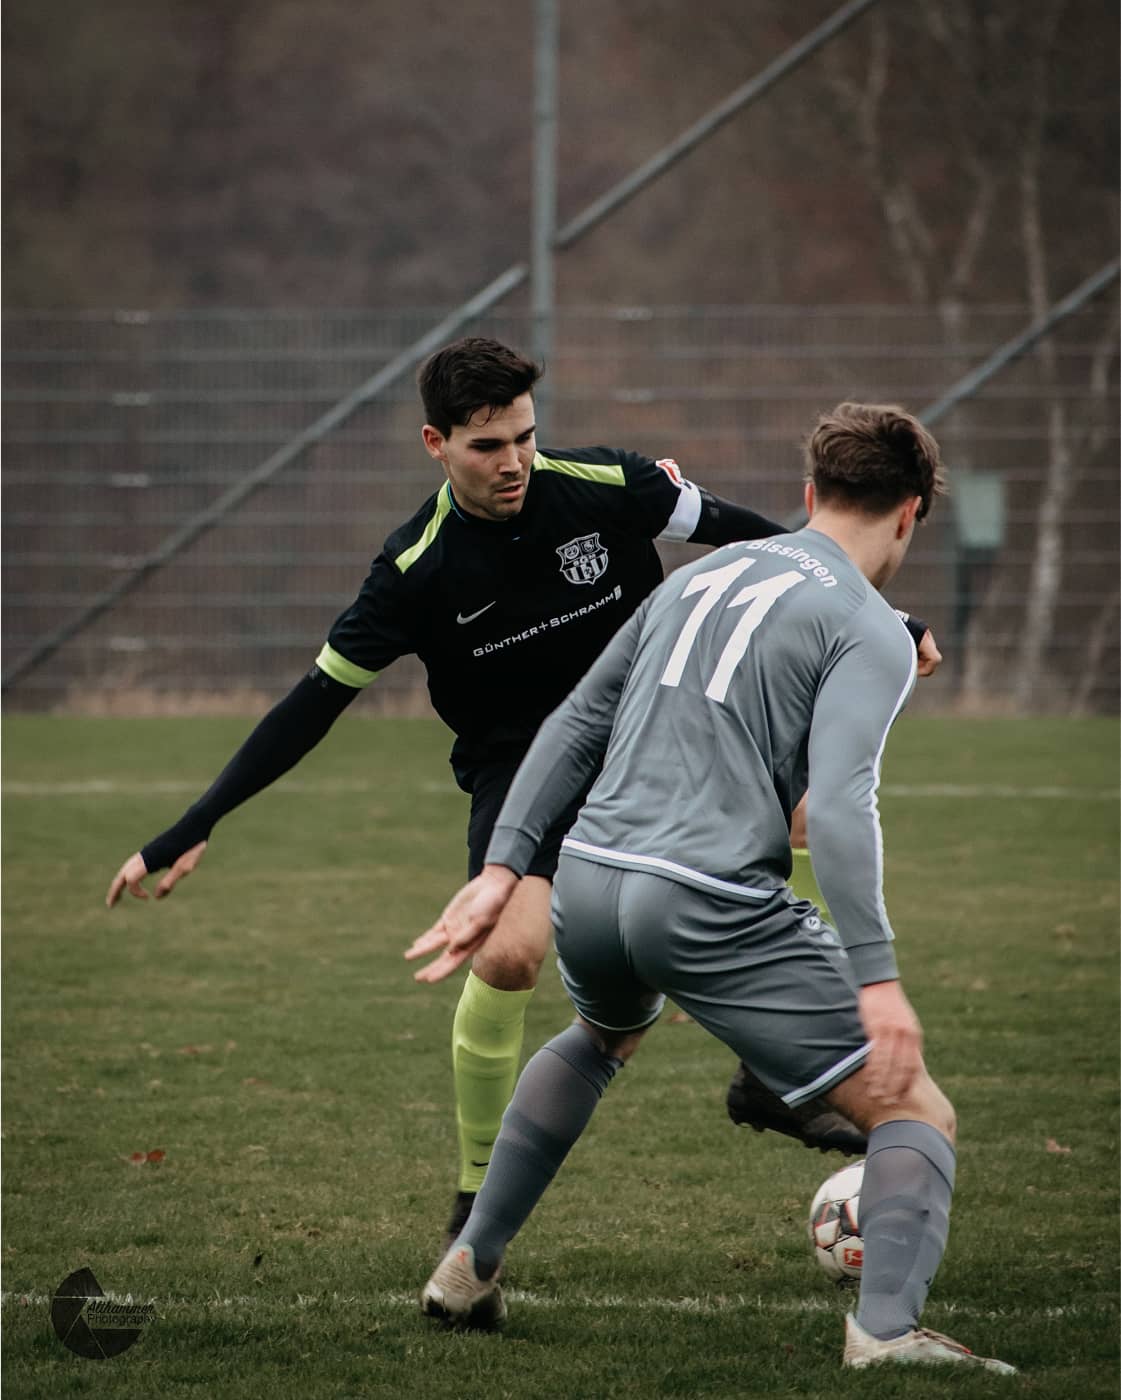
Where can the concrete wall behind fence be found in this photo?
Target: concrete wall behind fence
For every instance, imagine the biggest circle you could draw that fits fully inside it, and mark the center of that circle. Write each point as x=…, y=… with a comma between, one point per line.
x=121, y=426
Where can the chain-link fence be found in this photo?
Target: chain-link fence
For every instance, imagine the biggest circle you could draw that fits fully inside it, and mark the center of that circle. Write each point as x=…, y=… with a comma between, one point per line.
x=119, y=427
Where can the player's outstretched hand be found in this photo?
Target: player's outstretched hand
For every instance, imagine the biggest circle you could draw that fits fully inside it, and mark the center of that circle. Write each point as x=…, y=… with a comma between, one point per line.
x=896, y=1035
x=465, y=923
x=930, y=658
x=132, y=874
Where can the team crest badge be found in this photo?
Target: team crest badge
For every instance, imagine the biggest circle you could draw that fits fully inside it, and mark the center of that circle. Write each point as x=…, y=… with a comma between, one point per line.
x=583, y=560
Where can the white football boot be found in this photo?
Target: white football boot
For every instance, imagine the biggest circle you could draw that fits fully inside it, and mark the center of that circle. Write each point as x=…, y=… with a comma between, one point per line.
x=457, y=1296
x=919, y=1347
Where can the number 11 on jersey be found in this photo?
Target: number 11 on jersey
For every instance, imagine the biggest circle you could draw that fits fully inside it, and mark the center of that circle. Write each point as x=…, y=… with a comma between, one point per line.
x=758, y=598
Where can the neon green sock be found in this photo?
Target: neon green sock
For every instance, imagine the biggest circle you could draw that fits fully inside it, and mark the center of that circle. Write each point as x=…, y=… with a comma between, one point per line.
x=486, y=1050
x=803, y=882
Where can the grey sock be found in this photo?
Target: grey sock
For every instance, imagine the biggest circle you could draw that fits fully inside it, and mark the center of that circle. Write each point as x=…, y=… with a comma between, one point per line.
x=554, y=1099
x=904, y=1219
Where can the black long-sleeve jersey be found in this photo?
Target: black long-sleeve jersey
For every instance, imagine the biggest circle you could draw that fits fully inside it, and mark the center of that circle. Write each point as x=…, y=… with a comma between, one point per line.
x=507, y=616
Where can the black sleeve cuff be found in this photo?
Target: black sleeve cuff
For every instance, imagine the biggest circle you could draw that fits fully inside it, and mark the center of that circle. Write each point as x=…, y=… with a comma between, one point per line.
x=915, y=625
x=724, y=522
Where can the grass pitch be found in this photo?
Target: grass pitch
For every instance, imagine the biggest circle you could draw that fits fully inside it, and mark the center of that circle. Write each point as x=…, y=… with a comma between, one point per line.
x=261, y=1031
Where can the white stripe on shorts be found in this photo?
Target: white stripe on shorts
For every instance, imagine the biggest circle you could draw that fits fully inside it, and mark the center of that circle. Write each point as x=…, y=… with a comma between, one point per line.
x=826, y=1081
x=624, y=859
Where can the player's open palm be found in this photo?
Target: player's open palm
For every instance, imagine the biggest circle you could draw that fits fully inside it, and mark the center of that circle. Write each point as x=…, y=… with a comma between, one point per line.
x=132, y=874
x=896, y=1035
x=465, y=923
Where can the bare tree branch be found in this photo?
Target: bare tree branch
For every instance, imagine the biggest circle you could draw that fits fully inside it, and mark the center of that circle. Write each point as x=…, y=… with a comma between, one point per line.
x=1047, y=564
x=864, y=103
x=1092, y=439
x=1102, y=635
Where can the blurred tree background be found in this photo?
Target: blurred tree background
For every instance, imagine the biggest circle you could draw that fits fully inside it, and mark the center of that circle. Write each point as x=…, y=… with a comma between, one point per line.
x=184, y=153
x=946, y=170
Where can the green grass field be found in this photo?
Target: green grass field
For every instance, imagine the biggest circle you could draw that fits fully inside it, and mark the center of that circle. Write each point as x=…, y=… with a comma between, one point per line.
x=261, y=1030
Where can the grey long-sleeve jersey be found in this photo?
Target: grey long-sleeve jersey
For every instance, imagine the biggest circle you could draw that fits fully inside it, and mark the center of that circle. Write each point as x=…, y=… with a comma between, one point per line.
x=745, y=675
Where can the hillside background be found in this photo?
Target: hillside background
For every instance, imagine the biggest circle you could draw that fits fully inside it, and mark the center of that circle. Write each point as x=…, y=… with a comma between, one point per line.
x=222, y=216
x=191, y=153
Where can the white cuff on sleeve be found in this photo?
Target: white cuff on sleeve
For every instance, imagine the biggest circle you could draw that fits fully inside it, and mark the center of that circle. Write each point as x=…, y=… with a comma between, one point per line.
x=686, y=514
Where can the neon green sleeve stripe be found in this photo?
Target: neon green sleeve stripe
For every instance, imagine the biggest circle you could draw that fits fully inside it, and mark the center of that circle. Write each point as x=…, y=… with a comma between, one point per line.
x=609, y=475
x=342, y=670
x=409, y=556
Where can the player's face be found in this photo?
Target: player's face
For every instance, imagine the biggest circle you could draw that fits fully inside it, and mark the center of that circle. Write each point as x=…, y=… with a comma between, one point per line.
x=488, y=459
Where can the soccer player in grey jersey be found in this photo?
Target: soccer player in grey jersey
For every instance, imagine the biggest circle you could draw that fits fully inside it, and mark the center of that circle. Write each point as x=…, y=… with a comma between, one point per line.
x=740, y=677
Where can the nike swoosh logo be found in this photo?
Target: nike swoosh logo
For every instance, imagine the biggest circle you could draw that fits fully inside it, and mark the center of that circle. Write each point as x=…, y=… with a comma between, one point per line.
x=472, y=616
x=479, y=1164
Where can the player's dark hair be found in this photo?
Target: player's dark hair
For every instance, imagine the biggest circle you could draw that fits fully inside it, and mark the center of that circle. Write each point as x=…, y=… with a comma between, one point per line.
x=871, y=457
x=471, y=374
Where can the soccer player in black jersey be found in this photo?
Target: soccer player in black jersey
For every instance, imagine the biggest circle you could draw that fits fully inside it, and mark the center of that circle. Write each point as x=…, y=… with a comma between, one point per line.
x=507, y=583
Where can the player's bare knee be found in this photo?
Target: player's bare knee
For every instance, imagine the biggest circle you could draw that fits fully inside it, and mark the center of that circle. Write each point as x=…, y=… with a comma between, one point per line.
x=511, y=969
x=926, y=1103
x=941, y=1112
x=923, y=1101
x=511, y=958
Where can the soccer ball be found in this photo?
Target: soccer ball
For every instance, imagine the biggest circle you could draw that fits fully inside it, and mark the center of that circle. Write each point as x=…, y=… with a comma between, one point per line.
x=835, y=1224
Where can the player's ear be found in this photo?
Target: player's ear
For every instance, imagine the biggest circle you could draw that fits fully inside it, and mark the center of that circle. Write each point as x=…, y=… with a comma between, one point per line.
x=907, y=517
x=435, y=443
x=808, y=497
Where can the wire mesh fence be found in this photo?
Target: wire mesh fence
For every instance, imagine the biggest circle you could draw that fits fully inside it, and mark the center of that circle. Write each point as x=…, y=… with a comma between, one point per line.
x=121, y=426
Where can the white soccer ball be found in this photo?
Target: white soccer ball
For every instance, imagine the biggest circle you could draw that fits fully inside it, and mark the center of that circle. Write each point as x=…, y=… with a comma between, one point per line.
x=835, y=1224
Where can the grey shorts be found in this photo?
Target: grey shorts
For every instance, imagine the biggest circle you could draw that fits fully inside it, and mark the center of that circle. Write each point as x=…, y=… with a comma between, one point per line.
x=773, y=984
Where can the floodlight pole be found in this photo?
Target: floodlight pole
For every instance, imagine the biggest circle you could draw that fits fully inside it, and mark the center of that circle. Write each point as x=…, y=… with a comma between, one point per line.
x=544, y=227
